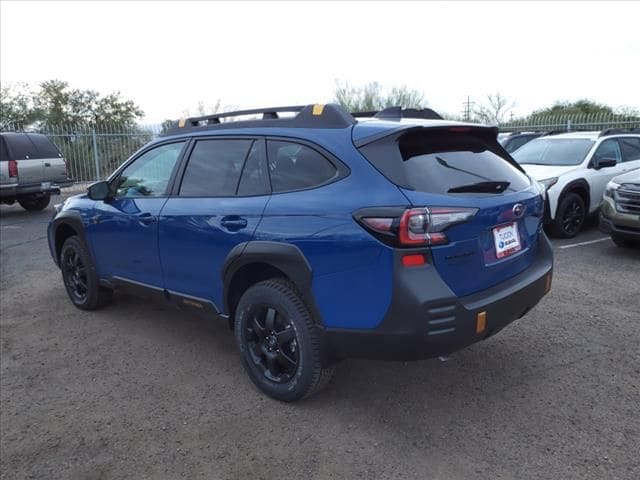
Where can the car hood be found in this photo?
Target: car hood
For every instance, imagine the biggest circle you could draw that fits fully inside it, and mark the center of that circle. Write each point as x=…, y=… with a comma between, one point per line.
x=630, y=177
x=542, y=172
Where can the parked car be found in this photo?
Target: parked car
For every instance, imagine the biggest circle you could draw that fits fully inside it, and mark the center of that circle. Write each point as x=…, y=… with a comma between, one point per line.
x=513, y=141
x=319, y=237
x=31, y=170
x=620, y=211
x=575, y=168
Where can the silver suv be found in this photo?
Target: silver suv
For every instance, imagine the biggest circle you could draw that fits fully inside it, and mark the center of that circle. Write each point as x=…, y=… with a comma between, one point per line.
x=31, y=170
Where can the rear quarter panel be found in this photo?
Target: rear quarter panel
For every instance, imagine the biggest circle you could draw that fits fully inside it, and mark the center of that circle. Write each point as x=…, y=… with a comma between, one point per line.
x=352, y=271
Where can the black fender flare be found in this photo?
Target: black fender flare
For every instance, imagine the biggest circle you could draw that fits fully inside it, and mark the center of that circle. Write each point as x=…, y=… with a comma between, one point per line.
x=72, y=219
x=285, y=257
x=578, y=183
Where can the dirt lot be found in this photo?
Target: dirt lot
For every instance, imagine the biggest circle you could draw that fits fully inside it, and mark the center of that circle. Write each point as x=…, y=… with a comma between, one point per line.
x=142, y=390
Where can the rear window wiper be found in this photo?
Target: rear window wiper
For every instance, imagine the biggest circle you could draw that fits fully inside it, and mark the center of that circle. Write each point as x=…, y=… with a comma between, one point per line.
x=481, y=187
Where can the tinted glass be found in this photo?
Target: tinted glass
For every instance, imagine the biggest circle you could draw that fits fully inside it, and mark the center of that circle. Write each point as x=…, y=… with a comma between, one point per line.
x=149, y=174
x=630, y=148
x=45, y=148
x=436, y=162
x=608, y=149
x=295, y=167
x=4, y=154
x=21, y=146
x=255, y=178
x=553, y=151
x=214, y=168
x=516, y=143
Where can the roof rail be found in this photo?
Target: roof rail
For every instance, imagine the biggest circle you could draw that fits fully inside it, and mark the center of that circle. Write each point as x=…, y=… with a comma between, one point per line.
x=308, y=116
x=618, y=131
x=397, y=113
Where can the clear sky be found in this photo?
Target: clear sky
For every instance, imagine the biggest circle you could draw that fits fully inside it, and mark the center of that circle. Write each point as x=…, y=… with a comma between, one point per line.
x=167, y=56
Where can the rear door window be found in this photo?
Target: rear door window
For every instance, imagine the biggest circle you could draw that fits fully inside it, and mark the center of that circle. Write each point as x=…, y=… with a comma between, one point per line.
x=630, y=148
x=214, y=167
x=255, y=174
x=294, y=166
x=437, y=161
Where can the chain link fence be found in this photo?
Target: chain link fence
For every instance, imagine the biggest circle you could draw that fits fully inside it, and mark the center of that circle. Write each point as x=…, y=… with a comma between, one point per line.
x=92, y=152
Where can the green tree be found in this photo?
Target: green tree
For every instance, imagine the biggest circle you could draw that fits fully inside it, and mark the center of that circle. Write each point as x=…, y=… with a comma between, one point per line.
x=54, y=102
x=371, y=97
x=17, y=106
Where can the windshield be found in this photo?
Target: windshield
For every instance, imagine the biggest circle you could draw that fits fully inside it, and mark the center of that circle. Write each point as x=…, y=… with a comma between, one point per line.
x=553, y=151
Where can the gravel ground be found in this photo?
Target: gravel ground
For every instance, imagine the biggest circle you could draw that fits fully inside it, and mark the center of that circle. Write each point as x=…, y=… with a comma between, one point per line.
x=142, y=390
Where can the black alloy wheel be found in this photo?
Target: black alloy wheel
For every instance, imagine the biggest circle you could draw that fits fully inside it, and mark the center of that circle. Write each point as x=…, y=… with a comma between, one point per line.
x=273, y=345
x=280, y=341
x=573, y=218
x=570, y=216
x=79, y=276
x=74, y=273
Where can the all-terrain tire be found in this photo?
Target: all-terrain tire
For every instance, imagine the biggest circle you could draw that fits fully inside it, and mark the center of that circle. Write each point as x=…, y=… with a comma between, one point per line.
x=80, y=277
x=280, y=298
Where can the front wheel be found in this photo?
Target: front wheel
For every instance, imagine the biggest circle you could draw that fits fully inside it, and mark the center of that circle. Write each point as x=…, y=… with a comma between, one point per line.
x=35, y=203
x=278, y=341
x=570, y=216
x=623, y=242
x=79, y=276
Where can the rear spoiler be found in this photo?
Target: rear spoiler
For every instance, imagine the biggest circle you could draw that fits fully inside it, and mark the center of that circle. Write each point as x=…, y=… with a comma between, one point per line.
x=491, y=132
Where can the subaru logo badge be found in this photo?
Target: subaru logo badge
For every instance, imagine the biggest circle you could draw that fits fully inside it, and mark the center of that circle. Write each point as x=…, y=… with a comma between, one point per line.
x=518, y=210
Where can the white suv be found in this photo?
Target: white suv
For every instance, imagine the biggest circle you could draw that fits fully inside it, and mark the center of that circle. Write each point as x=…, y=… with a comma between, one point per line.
x=575, y=168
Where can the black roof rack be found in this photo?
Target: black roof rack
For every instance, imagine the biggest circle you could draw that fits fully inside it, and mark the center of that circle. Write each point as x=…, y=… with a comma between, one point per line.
x=618, y=131
x=397, y=113
x=308, y=116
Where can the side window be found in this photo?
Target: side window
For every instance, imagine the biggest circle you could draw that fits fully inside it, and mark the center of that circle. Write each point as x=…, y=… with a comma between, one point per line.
x=149, y=174
x=295, y=167
x=608, y=149
x=255, y=177
x=630, y=148
x=214, y=168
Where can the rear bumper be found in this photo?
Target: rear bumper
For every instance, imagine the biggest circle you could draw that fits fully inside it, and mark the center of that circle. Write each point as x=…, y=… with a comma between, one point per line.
x=427, y=320
x=19, y=190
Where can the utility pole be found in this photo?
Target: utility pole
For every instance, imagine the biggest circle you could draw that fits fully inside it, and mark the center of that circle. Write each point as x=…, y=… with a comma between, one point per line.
x=466, y=109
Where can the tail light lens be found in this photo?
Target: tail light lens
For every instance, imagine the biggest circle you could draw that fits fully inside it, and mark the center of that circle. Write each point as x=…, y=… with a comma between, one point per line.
x=414, y=227
x=13, y=168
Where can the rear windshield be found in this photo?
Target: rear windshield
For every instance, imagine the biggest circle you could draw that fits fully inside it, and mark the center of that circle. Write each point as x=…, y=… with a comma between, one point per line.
x=441, y=161
x=553, y=151
x=21, y=146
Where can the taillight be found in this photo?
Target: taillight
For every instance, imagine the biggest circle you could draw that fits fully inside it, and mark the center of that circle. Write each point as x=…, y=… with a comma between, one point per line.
x=13, y=168
x=414, y=227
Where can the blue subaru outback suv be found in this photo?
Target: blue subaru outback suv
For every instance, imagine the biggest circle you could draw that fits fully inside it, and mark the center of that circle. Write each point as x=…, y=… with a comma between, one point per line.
x=319, y=235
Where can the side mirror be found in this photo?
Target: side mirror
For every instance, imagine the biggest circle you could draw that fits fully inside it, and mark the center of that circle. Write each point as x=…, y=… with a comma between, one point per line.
x=605, y=163
x=99, y=191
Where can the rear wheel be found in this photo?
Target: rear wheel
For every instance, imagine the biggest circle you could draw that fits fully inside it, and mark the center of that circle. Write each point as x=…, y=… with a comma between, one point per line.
x=279, y=343
x=35, y=203
x=80, y=278
x=570, y=216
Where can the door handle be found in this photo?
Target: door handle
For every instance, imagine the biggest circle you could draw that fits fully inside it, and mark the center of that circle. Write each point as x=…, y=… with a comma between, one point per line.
x=146, y=218
x=47, y=164
x=233, y=223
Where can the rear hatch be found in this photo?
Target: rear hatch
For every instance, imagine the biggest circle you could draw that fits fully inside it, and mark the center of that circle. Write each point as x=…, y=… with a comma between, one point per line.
x=38, y=160
x=490, y=211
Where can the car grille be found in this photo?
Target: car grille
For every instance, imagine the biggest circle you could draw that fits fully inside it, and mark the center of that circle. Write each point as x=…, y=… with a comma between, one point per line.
x=627, y=199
